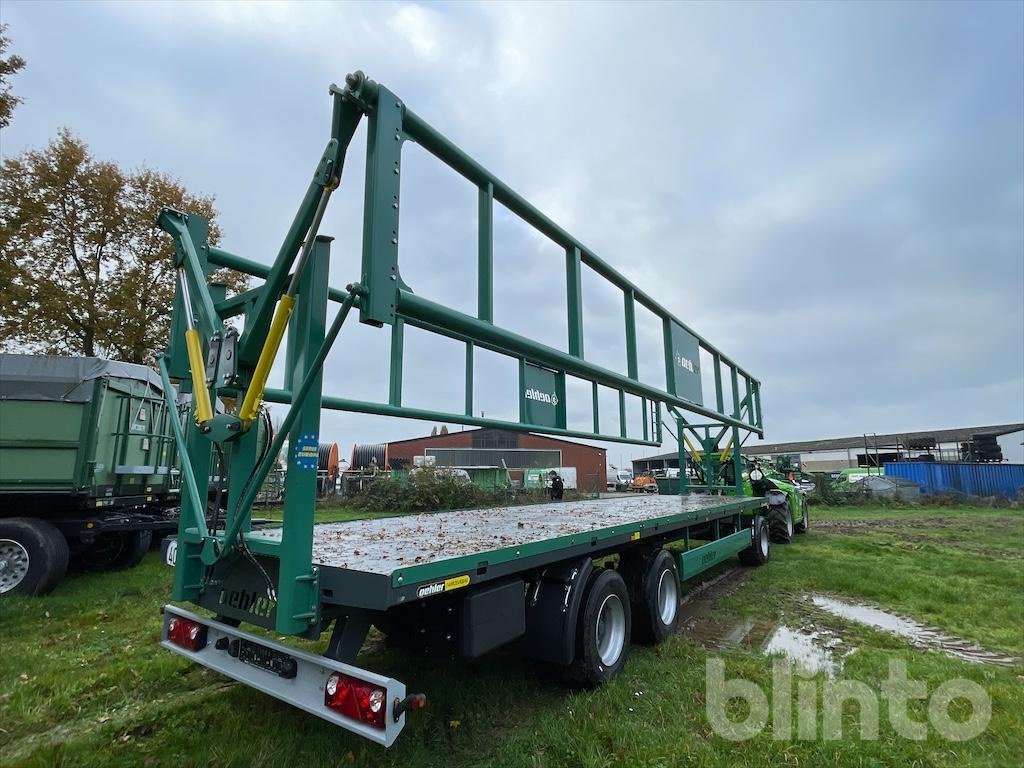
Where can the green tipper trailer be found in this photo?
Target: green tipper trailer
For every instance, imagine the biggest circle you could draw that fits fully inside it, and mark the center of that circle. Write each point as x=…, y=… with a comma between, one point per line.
x=87, y=466
x=538, y=579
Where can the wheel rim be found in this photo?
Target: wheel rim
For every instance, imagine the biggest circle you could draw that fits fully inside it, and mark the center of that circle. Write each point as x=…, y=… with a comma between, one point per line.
x=789, y=524
x=668, y=596
x=806, y=517
x=763, y=538
x=611, y=630
x=14, y=563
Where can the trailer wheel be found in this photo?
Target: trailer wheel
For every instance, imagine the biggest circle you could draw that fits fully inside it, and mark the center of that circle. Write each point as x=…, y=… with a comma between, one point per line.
x=602, y=631
x=780, y=523
x=760, y=550
x=112, y=551
x=33, y=556
x=805, y=517
x=655, y=606
x=136, y=545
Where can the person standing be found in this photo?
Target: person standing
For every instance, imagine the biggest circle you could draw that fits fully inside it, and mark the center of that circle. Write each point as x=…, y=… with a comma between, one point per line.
x=557, y=486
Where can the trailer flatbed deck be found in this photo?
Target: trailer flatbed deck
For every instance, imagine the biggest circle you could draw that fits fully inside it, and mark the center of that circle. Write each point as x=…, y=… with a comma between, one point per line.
x=390, y=556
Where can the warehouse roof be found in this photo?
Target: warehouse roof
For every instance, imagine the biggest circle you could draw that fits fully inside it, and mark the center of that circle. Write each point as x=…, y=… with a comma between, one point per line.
x=956, y=435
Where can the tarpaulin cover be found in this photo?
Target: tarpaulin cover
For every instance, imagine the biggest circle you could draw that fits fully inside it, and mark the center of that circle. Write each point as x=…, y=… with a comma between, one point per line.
x=65, y=379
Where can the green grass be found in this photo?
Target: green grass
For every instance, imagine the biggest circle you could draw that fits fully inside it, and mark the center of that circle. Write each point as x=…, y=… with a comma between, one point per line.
x=84, y=681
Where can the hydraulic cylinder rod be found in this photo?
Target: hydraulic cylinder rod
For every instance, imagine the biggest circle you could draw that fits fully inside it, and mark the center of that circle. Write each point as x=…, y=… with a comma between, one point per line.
x=254, y=394
x=204, y=408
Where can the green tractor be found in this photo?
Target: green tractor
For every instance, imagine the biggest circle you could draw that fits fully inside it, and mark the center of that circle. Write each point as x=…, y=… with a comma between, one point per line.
x=787, y=502
x=713, y=470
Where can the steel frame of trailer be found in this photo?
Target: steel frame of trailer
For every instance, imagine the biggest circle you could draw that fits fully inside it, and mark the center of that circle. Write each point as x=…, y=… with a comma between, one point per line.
x=243, y=574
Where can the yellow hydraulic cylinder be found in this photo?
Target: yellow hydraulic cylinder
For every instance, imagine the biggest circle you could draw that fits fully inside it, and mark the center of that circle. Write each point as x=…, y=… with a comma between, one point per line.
x=694, y=453
x=725, y=451
x=254, y=395
x=204, y=410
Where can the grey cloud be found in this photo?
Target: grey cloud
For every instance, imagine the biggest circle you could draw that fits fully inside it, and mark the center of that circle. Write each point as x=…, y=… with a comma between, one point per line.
x=832, y=194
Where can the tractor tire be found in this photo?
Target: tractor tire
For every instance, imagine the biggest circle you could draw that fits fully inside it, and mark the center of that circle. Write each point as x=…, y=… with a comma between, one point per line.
x=760, y=549
x=780, y=523
x=602, y=630
x=804, y=524
x=655, y=592
x=33, y=556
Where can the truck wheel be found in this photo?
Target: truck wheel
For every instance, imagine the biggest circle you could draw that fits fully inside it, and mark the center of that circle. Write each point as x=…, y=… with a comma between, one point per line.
x=760, y=550
x=805, y=517
x=602, y=631
x=780, y=523
x=656, y=607
x=33, y=556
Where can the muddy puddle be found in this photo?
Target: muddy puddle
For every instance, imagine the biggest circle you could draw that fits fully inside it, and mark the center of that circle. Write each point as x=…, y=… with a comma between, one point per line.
x=919, y=635
x=814, y=649
x=806, y=638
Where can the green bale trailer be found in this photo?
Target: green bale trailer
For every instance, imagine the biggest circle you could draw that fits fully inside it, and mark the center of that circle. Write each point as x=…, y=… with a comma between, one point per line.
x=87, y=467
x=540, y=580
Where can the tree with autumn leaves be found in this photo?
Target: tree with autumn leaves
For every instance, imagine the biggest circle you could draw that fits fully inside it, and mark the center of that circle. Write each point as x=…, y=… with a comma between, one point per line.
x=83, y=270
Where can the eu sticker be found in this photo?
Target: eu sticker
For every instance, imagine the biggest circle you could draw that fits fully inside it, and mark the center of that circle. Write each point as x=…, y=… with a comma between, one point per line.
x=307, y=450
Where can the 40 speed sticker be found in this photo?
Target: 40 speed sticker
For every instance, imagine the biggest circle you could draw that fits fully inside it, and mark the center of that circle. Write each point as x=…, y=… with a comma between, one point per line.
x=443, y=586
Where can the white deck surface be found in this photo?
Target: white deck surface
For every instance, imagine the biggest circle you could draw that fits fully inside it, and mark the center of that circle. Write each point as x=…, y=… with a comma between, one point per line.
x=385, y=545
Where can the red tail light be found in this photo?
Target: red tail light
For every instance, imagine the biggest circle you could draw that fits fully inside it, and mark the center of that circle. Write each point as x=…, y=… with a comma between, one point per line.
x=355, y=699
x=187, y=634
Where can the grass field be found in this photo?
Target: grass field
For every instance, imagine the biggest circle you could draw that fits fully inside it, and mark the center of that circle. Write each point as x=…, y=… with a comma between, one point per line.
x=84, y=682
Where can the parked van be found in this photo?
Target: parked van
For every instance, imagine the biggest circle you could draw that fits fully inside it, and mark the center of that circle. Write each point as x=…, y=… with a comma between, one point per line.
x=619, y=479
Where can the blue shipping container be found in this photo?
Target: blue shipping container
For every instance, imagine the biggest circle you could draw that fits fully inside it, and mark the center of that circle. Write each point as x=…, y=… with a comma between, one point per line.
x=1005, y=480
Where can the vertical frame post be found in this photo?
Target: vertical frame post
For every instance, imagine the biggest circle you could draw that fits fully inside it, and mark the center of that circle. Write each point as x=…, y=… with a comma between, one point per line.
x=734, y=379
x=684, y=481
x=380, y=210
x=485, y=253
x=574, y=300
x=397, y=354
x=737, y=461
x=469, y=378
x=298, y=591
x=629, y=310
x=719, y=394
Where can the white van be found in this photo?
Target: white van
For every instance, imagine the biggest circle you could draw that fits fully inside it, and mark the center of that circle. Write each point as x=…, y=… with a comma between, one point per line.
x=619, y=479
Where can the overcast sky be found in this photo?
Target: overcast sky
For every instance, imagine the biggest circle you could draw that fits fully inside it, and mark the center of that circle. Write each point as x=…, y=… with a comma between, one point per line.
x=833, y=194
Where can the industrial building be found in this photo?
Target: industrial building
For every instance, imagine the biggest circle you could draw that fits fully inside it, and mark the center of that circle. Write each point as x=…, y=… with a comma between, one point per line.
x=516, y=451
x=872, y=450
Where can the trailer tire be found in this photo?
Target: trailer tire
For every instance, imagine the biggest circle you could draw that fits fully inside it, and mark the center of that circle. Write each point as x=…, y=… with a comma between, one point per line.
x=805, y=517
x=136, y=545
x=114, y=551
x=654, y=589
x=760, y=550
x=34, y=555
x=602, y=630
x=780, y=523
